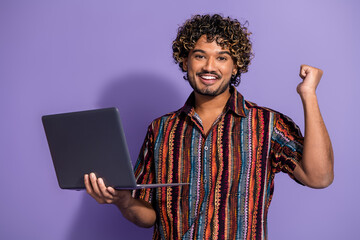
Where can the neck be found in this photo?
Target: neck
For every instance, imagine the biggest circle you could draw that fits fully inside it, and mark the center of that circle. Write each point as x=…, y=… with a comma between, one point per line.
x=211, y=104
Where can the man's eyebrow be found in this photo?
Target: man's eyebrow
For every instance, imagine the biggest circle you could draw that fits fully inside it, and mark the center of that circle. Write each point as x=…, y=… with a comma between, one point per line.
x=225, y=52
x=198, y=50
x=202, y=51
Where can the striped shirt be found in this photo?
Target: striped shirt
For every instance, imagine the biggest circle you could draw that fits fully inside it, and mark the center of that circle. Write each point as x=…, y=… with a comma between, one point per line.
x=230, y=170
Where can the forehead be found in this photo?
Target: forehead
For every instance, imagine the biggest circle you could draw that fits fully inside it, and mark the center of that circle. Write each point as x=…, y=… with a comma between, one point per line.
x=203, y=44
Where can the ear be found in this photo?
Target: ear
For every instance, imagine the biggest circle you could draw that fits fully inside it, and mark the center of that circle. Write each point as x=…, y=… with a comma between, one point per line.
x=234, y=72
x=184, y=62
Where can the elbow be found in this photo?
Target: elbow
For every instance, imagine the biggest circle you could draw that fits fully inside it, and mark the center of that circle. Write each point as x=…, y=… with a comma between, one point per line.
x=145, y=225
x=321, y=182
x=319, y=176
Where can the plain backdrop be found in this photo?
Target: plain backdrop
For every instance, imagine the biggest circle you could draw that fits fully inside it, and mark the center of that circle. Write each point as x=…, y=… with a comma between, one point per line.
x=69, y=55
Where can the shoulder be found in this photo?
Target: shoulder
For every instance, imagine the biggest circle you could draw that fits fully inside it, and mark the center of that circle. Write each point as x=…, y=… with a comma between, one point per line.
x=159, y=121
x=278, y=117
x=251, y=106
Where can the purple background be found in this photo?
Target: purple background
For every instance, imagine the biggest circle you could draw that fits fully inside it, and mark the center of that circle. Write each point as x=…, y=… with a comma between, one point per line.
x=59, y=56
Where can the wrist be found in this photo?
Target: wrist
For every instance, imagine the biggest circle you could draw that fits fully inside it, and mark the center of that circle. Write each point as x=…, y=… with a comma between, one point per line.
x=124, y=200
x=308, y=95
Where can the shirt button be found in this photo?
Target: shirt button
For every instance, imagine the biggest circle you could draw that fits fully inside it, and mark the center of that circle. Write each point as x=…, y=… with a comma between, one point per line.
x=205, y=180
x=206, y=148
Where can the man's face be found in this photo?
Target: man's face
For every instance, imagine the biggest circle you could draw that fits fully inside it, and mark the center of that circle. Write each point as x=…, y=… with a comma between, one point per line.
x=209, y=68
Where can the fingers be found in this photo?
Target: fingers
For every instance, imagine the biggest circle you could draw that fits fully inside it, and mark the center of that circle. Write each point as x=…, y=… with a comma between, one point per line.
x=306, y=69
x=96, y=188
x=111, y=190
x=108, y=197
x=94, y=184
x=303, y=70
x=311, y=77
x=90, y=189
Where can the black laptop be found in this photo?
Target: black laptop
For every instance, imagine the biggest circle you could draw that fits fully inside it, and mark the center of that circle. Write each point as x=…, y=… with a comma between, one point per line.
x=91, y=141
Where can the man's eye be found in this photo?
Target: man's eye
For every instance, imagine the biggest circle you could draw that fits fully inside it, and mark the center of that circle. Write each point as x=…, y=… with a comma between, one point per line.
x=199, y=56
x=222, y=58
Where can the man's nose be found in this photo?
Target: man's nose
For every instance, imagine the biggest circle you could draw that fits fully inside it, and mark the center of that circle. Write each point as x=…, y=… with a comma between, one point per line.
x=210, y=65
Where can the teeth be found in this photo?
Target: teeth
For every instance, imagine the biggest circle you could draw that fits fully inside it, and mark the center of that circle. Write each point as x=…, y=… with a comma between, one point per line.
x=208, y=77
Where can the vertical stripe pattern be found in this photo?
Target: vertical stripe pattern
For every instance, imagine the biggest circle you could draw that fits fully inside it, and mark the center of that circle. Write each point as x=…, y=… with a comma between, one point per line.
x=230, y=170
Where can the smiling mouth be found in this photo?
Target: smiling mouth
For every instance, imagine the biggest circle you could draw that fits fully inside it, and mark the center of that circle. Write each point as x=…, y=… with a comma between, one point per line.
x=208, y=79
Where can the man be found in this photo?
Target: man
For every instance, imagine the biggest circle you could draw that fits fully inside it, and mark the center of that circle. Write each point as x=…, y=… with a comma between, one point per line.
x=227, y=148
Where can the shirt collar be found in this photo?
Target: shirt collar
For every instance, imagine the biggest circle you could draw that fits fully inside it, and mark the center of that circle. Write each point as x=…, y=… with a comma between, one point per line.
x=235, y=104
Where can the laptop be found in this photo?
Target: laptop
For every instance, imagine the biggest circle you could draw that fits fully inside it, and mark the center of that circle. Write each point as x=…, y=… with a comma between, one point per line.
x=91, y=141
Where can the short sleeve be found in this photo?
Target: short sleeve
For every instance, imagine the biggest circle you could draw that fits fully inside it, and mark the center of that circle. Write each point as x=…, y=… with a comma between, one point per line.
x=144, y=168
x=286, y=145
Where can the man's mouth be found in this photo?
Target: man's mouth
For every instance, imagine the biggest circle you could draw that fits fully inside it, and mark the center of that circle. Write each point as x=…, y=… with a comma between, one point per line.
x=208, y=78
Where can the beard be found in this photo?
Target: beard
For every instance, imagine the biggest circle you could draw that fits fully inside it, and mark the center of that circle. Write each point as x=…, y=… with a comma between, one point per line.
x=207, y=91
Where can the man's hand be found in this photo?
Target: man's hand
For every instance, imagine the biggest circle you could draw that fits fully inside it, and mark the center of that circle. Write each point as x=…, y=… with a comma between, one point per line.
x=311, y=77
x=96, y=188
x=317, y=165
x=137, y=211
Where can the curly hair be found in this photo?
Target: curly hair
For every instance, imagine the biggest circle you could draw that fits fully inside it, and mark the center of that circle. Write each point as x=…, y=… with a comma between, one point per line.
x=228, y=33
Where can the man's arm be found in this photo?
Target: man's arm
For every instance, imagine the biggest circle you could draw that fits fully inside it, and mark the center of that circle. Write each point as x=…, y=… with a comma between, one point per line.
x=316, y=169
x=135, y=210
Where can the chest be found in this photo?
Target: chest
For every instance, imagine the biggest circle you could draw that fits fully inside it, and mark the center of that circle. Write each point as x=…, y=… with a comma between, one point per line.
x=231, y=148
x=228, y=171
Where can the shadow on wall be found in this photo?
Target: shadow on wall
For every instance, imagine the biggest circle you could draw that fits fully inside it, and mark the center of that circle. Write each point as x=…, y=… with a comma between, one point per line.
x=140, y=98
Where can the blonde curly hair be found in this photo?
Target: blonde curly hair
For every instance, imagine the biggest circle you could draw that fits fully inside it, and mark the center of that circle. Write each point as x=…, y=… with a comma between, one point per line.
x=228, y=33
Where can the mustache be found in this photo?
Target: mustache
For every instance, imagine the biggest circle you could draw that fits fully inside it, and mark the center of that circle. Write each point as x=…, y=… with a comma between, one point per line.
x=207, y=72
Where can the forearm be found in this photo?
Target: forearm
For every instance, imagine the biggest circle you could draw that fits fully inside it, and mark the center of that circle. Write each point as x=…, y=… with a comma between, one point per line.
x=139, y=212
x=318, y=161
x=135, y=210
